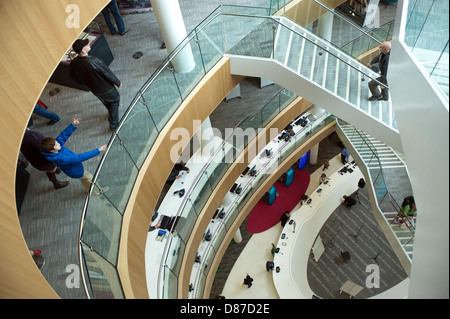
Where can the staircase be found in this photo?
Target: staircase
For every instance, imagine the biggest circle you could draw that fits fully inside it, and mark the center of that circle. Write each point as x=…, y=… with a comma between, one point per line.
x=320, y=73
x=331, y=68
x=379, y=159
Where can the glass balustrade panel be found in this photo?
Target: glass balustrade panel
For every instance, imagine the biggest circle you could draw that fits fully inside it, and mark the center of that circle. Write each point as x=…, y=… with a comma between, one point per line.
x=210, y=41
x=138, y=133
x=248, y=36
x=188, y=67
x=170, y=285
x=175, y=251
x=103, y=277
x=187, y=220
x=102, y=228
x=162, y=97
x=116, y=176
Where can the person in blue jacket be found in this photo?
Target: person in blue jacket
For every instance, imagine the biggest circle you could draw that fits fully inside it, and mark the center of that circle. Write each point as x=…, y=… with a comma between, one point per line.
x=69, y=162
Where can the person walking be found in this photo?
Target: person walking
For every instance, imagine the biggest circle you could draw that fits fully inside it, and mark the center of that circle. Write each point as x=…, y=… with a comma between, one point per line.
x=345, y=154
x=30, y=148
x=383, y=61
x=40, y=110
x=112, y=6
x=69, y=162
x=96, y=75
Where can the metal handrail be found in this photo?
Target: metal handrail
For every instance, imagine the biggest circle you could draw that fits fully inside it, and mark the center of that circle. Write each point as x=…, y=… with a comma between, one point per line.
x=392, y=200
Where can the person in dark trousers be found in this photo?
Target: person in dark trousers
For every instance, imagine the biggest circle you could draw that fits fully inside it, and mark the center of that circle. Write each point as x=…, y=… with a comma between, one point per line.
x=348, y=201
x=112, y=6
x=30, y=148
x=41, y=111
x=70, y=163
x=248, y=281
x=175, y=173
x=344, y=155
x=383, y=61
x=96, y=75
x=284, y=218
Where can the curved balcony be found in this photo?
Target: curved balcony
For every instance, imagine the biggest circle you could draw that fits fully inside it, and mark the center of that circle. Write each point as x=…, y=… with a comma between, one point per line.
x=112, y=236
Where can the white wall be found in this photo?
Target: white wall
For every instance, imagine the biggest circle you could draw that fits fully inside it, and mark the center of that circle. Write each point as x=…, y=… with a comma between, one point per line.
x=423, y=121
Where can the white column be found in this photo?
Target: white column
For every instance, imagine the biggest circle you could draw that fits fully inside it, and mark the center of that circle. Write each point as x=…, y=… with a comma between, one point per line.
x=206, y=136
x=171, y=24
x=325, y=26
x=237, y=237
x=313, y=153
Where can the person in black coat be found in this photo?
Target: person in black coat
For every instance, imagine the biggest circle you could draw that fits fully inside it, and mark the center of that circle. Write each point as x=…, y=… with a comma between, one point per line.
x=96, y=75
x=383, y=61
x=30, y=148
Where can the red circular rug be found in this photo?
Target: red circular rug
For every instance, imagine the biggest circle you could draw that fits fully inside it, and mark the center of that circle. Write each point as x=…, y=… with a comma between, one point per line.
x=263, y=216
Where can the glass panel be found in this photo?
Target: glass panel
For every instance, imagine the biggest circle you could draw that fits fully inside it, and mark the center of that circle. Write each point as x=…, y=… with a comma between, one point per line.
x=138, y=132
x=207, y=259
x=216, y=169
x=101, y=229
x=248, y=36
x=187, y=221
x=427, y=35
x=210, y=40
x=231, y=214
x=117, y=175
x=200, y=288
x=190, y=76
x=103, y=277
x=170, y=285
x=162, y=97
x=175, y=254
x=200, y=193
x=270, y=110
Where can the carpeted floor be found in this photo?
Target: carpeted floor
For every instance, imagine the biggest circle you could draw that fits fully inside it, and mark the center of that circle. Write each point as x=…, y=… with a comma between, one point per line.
x=263, y=215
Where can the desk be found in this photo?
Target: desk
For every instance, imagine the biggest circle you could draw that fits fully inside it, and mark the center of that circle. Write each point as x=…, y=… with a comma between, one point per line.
x=295, y=248
x=170, y=205
x=350, y=288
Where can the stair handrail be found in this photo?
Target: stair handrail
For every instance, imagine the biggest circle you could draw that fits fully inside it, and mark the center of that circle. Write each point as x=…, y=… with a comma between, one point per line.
x=321, y=48
x=393, y=202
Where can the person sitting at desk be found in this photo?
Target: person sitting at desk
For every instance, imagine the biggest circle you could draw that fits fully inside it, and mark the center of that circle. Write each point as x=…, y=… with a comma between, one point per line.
x=303, y=199
x=284, y=218
x=158, y=224
x=348, y=201
x=248, y=281
x=175, y=174
x=323, y=178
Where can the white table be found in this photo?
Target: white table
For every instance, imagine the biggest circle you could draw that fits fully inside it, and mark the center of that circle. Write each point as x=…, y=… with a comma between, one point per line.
x=295, y=248
x=350, y=288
